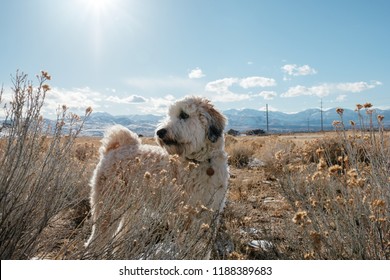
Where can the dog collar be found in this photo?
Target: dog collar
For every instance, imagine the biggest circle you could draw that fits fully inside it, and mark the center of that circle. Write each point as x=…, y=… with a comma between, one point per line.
x=209, y=171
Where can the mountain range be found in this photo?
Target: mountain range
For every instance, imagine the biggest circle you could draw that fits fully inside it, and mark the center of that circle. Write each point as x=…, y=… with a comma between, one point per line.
x=242, y=120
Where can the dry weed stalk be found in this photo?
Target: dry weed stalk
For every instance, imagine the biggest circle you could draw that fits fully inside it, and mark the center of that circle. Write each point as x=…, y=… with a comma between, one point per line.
x=38, y=174
x=342, y=195
x=155, y=222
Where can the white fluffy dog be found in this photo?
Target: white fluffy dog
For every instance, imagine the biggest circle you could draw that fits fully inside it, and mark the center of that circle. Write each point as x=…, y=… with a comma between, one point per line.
x=191, y=136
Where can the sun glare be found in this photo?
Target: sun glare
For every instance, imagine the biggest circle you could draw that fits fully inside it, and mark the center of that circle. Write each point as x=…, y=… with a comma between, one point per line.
x=98, y=7
x=100, y=17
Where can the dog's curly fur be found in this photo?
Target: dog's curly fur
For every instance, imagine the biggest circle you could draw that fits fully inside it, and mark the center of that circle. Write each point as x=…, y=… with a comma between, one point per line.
x=191, y=136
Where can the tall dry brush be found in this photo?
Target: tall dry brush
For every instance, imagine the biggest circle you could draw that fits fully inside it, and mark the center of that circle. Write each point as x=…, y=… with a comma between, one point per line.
x=340, y=190
x=43, y=206
x=38, y=173
x=156, y=222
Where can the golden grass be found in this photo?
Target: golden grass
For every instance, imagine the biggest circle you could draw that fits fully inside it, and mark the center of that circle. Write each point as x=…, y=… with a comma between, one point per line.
x=286, y=204
x=265, y=203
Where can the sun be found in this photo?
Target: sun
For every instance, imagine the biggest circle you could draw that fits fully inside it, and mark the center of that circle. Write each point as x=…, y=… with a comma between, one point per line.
x=98, y=7
x=100, y=18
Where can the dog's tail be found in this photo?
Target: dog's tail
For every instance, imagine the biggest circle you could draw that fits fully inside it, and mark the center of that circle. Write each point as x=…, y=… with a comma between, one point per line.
x=118, y=136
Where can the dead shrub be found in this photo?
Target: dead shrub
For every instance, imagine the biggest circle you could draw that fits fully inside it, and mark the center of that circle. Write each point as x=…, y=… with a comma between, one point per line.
x=85, y=151
x=340, y=191
x=239, y=154
x=38, y=175
x=154, y=223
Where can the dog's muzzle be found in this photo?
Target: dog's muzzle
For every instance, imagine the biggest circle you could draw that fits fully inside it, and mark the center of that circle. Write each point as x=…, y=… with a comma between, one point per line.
x=162, y=135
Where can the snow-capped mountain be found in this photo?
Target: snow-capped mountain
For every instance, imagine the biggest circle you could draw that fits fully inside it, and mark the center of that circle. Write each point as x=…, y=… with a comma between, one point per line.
x=241, y=120
x=308, y=120
x=141, y=124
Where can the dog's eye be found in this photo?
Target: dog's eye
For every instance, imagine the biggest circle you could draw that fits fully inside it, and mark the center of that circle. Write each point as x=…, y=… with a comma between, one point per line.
x=183, y=115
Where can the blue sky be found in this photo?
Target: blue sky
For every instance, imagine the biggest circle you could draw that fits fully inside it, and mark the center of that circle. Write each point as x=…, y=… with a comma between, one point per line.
x=137, y=57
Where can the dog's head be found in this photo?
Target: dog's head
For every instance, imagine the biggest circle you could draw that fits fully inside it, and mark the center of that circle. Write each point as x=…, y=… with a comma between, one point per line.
x=193, y=126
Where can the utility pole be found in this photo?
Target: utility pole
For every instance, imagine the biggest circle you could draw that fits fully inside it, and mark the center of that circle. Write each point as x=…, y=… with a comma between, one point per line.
x=266, y=112
x=322, y=120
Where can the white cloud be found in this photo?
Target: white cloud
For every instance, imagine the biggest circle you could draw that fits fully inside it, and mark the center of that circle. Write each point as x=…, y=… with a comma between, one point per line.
x=326, y=89
x=251, y=82
x=150, y=105
x=230, y=97
x=297, y=91
x=295, y=70
x=158, y=105
x=224, y=94
x=196, y=73
x=5, y=98
x=321, y=90
x=128, y=100
x=341, y=98
x=221, y=86
x=268, y=95
x=357, y=86
x=77, y=99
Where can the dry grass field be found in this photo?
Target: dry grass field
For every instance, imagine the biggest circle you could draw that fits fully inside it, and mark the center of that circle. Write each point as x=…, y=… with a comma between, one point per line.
x=308, y=200
x=296, y=196
x=262, y=219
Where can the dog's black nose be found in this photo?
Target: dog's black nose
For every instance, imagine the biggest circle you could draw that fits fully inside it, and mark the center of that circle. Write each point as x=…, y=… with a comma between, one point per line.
x=161, y=133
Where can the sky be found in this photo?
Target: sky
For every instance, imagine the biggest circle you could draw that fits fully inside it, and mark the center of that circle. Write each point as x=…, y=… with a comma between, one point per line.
x=137, y=57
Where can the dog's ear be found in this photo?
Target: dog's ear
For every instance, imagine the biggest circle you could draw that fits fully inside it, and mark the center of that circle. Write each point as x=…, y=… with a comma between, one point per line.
x=216, y=123
x=214, y=133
